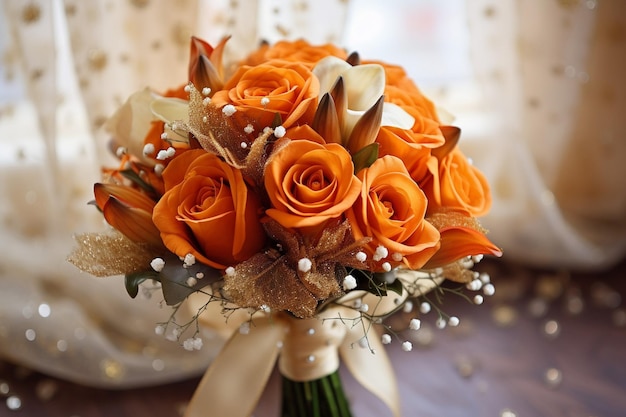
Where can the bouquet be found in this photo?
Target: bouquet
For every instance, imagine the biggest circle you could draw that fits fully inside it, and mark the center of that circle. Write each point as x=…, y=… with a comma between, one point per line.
x=292, y=201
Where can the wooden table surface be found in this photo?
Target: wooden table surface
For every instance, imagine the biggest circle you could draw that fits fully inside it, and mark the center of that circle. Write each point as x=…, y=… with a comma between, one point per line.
x=548, y=343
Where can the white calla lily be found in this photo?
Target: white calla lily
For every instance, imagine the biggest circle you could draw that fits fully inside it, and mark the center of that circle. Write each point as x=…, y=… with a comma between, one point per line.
x=364, y=85
x=170, y=109
x=131, y=122
x=396, y=116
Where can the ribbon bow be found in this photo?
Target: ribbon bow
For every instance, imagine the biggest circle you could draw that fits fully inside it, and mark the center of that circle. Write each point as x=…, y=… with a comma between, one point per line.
x=306, y=349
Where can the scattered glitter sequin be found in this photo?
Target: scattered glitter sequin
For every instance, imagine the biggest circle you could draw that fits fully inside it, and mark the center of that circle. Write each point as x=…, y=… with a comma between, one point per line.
x=504, y=315
x=619, y=317
x=537, y=307
x=4, y=388
x=553, y=377
x=507, y=413
x=574, y=304
x=44, y=310
x=551, y=328
x=62, y=345
x=464, y=366
x=30, y=335
x=14, y=403
x=46, y=389
x=605, y=296
x=549, y=287
x=158, y=365
x=111, y=369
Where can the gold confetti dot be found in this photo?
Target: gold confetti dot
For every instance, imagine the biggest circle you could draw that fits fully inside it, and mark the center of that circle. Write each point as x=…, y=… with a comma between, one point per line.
x=504, y=315
x=549, y=287
x=558, y=70
x=181, y=34
x=31, y=13
x=97, y=59
x=70, y=9
x=46, y=389
x=465, y=367
x=36, y=74
x=283, y=31
x=111, y=369
x=533, y=102
x=139, y=3
x=490, y=11
x=569, y=3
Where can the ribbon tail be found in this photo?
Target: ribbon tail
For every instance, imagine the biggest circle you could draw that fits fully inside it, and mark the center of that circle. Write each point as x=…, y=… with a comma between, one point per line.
x=235, y=380
x=372, y=370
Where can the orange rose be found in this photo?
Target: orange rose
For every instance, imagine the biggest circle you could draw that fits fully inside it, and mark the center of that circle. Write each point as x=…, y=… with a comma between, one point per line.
x=457, y=184
x=399, y=143
x=309, y=183
x=294, y=51
x=208, y=210
x=391, y=211
x=276, y=87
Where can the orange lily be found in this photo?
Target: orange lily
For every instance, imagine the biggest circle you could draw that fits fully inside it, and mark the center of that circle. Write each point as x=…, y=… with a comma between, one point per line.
x=129, y=211
x=457, y=242
x=205, y=64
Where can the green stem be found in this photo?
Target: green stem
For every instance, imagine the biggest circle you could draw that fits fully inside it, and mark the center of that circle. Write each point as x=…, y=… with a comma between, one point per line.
x=323, y=397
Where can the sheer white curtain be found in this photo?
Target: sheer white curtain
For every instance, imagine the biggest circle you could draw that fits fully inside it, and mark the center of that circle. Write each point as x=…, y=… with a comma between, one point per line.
x=554, y=98
x=536, y=85
x=66, y=66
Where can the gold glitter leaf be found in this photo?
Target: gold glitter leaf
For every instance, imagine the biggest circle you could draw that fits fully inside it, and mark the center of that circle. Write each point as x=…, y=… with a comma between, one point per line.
x=262, y=280
x=108, y=254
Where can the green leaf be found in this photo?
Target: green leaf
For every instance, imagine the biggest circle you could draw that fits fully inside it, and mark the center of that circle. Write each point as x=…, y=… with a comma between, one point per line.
x=278, y=121
x=395, y=286
x=174, y=279
x=378, y=283
x=365, y=157
x=132, y=281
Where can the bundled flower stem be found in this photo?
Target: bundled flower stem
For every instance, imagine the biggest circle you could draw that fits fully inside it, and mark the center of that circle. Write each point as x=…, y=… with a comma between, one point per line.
x=323, y=397
x=302, y=184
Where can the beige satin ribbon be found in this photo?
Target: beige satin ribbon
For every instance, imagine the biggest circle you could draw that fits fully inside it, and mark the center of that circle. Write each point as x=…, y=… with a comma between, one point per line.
x=306, y=349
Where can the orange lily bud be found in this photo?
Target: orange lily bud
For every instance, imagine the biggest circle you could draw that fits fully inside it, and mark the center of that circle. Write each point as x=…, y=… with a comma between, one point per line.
x=134, y=223
x=340, y=98
x=205, y=64
x=326, y=122
x=366, y=129
x=127, y=195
